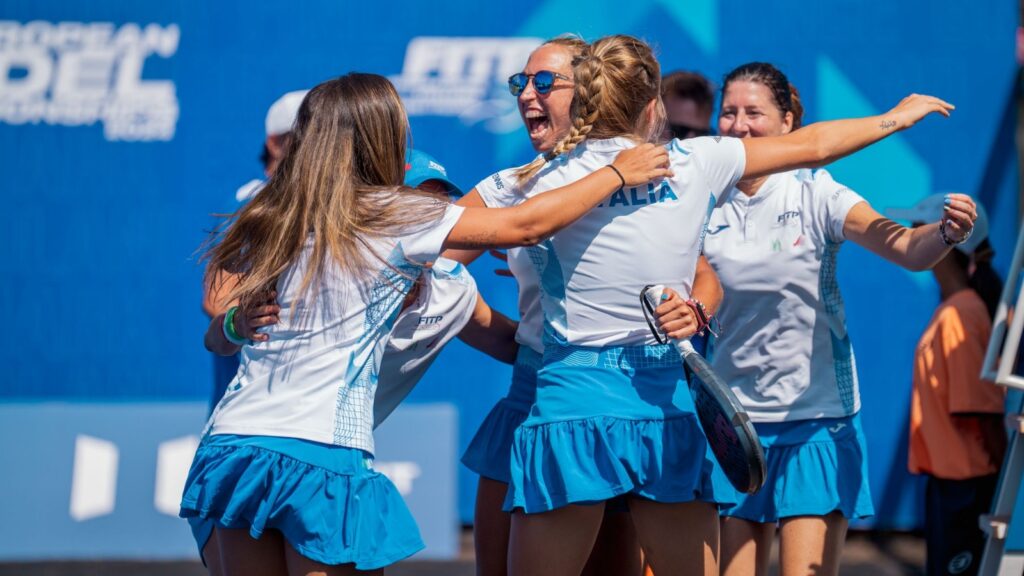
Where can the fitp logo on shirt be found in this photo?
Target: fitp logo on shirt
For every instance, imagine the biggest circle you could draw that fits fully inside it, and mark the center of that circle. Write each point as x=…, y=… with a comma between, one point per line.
x=81, y=73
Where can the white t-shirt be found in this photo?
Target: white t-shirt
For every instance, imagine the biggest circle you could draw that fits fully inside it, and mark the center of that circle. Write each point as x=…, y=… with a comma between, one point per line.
x=442, y=308
x=783, y=345
x=316, y=377
x=591, y=273
x=531, y=316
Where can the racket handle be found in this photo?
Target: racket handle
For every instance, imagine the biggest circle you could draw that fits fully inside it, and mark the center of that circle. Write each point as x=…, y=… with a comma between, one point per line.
x=653, y=296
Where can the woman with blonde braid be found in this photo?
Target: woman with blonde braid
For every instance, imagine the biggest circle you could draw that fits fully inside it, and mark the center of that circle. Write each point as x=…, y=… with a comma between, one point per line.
x=613, y=415
x=544, y=93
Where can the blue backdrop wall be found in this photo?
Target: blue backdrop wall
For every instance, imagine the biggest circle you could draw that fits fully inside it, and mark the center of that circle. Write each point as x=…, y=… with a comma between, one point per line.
x=125, y=125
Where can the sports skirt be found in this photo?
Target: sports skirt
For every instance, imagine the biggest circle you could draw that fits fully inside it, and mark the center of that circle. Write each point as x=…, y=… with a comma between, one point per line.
x=327, y=501
x=814, y=467
x=490, y=451
x=608, y=422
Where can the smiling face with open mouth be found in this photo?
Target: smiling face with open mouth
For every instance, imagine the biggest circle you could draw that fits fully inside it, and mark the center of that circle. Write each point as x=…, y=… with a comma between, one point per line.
x=546, y=116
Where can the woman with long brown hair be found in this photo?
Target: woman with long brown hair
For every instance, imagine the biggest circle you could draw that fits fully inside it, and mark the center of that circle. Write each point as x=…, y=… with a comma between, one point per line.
x=284, y=470
x=612, y=414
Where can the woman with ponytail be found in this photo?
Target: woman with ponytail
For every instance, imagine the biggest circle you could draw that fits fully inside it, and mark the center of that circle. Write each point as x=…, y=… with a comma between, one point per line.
x=544, y=94
x=957, y=435
x=784, y=347
x=612, y=414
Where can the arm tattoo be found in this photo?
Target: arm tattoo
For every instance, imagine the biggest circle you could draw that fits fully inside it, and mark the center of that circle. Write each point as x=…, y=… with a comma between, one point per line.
x=887, y=124
x=482, y=240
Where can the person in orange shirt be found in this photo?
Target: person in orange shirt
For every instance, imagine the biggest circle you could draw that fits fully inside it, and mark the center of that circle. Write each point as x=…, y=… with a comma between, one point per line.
x=957, y=438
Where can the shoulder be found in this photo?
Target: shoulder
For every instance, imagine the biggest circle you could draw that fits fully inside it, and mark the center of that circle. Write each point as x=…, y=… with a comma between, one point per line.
x=967, y=309
x=500, y=188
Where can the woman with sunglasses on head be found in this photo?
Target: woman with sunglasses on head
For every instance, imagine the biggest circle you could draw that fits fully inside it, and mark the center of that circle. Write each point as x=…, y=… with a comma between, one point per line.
x=544, y=92
x=784, y=347
x=613, y=415
x=284, y=470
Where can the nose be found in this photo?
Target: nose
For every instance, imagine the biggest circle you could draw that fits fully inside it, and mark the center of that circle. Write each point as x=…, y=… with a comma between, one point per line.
x=528, y=94
x=741, y=126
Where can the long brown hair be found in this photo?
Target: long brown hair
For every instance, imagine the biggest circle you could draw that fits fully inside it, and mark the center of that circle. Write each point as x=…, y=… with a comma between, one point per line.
x=615, y=78
x=336, y=185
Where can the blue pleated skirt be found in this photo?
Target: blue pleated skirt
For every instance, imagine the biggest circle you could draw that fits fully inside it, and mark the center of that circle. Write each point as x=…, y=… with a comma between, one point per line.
x=815, y=467
x=327, y=501
x=490, y=451
x=608, y=422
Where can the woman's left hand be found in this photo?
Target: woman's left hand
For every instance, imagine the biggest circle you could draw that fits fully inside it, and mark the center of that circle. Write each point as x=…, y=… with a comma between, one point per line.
x=959, y=215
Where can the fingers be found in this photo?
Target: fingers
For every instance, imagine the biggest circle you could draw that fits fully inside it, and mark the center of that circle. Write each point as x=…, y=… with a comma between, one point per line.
x=504, y=272
x=960, y=212
x=498, y=254
x=642, y=164
x=258, y=317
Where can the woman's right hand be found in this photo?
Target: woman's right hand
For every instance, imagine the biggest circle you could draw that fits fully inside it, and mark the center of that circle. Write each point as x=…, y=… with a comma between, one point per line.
x=642, y=164
x=256, y=314
x=912, y=109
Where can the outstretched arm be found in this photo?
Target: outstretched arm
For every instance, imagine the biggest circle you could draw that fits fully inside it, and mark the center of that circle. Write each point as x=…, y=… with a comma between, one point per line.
x=912, y=248
x=820, y=143
x=544, y=214
x=466, y=257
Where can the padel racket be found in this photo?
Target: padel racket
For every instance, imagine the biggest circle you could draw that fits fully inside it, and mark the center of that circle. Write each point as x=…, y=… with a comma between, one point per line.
x=728, y=429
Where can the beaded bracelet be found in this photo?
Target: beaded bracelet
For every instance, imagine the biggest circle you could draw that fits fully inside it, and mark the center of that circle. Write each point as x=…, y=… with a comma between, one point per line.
x=704, y=320
x=229, y=328
x=949, y=241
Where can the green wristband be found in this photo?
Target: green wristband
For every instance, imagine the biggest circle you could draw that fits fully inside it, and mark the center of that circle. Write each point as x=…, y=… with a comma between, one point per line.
x=229, y=328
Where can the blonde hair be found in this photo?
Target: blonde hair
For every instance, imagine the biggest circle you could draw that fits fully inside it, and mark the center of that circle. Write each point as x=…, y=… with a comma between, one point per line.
x=616, y=77
x=336, y=185
x=575, y=43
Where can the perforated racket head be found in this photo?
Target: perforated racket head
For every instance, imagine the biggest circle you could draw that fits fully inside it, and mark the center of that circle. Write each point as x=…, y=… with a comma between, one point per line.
x=730, y=433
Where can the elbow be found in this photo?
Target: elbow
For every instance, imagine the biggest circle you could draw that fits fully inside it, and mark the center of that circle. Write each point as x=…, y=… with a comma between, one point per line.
x=529, y=233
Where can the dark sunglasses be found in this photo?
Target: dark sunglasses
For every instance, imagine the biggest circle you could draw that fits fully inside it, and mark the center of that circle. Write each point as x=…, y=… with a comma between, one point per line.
x=543, y=81
x=682, y=131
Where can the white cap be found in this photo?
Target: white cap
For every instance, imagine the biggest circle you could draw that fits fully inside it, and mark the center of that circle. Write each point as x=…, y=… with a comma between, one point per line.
x=930, y=210
x=282, y=113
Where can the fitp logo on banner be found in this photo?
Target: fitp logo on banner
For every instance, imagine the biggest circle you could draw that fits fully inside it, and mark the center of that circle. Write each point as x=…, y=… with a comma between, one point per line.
x=464, y=78
x=81, y=73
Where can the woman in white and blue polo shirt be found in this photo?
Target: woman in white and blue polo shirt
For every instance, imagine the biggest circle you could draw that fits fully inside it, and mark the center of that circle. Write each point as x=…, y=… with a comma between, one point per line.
x=784, y=346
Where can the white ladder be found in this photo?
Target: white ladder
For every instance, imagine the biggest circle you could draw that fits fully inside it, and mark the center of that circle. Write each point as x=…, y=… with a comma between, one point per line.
x=1004, y=547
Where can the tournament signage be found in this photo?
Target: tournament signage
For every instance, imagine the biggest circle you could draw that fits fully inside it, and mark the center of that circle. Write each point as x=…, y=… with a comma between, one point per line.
x=81, y=73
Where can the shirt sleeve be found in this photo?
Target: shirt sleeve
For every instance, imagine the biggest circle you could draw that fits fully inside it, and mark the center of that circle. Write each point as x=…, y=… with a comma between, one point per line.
x=424, y=245
x=832, y=203
x=443, y=309
x=963, y=353
x=499, y=190
x=721, y=159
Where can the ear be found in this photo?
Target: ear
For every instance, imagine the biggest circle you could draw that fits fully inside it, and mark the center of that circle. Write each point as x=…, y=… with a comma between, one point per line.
x=787, y=123
x=276, y=145
x=654, y=118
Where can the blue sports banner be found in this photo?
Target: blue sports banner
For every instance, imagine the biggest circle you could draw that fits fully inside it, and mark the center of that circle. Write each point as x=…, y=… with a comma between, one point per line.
x=125, y=125
x=104, y=480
